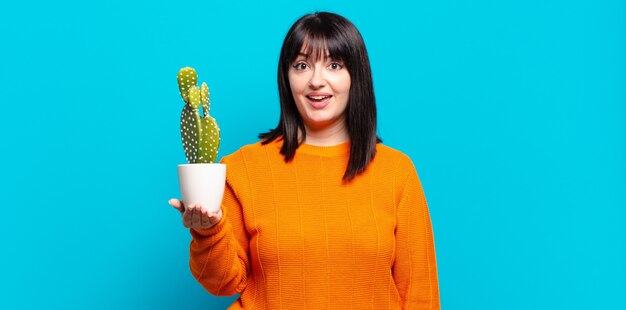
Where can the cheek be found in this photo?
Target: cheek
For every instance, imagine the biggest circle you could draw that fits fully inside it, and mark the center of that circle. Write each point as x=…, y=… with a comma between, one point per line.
x=296, y=83
x=347, y=85
x=346, y=90
x=342, y=84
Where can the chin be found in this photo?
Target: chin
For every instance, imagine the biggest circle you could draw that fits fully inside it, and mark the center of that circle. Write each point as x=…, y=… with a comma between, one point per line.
x=319, y=117
x=321, y=120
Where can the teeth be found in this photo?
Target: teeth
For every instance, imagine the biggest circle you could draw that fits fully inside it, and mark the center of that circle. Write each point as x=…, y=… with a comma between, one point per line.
x=318, y=97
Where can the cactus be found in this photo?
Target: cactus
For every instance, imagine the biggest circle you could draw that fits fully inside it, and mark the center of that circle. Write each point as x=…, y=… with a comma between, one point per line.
x=200, y=133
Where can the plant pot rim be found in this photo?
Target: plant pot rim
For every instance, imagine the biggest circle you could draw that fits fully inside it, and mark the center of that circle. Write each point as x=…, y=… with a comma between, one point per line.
x=200, y=164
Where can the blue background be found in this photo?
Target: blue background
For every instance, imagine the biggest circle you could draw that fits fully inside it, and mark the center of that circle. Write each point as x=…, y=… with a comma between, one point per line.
x=514, y=113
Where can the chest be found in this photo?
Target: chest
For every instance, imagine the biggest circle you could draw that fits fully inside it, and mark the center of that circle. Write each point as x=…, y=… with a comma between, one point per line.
x=316, y=219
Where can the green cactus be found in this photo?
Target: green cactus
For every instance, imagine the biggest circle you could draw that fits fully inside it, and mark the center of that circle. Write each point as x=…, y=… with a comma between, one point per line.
x=200, y=133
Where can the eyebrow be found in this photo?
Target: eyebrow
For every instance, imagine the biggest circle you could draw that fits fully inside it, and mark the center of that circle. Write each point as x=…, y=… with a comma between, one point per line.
x=307, y=55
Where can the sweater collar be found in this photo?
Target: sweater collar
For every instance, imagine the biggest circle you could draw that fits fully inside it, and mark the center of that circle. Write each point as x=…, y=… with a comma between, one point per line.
x=325, y=151
x=333, y=150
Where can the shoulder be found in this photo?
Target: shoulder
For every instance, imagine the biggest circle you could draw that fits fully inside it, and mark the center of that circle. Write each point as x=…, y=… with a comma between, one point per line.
x=247, y=163
x=389, y=155
x=250, y=152
x=404, y=171
x=393, y=163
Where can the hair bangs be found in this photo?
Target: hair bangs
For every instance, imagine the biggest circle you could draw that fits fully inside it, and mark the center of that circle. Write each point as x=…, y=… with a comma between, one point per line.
x=317, y=41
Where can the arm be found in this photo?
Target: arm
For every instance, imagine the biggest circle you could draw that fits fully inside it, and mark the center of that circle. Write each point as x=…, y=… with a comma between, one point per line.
x=219, y=255
x=415, y=269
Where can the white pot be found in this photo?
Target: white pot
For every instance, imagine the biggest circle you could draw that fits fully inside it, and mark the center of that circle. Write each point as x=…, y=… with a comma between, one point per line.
x=202, y=184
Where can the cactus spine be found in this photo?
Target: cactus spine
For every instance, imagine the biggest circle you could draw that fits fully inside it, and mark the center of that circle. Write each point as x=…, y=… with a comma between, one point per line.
x=199, y=133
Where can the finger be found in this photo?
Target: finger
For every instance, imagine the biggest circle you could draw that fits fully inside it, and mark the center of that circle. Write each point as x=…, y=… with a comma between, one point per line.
x=213, y=218
x=203, y=221
x=204, y=218
x=177, y=204
x=187, y=216
x=196, y=217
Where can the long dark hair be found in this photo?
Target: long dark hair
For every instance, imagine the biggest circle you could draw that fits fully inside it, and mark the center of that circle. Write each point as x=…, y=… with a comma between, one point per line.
x=327, y=32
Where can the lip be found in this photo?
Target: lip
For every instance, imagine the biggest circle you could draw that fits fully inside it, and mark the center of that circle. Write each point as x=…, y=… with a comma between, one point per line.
x=318, y=104
x=317, y=93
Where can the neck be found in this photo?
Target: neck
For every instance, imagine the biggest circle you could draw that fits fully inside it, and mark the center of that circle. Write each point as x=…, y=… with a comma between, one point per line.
x=333, y=134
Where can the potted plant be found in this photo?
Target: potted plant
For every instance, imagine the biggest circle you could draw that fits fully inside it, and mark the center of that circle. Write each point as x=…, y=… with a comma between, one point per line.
x=201, y=180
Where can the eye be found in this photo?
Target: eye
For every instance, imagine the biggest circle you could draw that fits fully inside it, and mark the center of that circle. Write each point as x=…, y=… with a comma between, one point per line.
x=336, y=66
x=300, y=66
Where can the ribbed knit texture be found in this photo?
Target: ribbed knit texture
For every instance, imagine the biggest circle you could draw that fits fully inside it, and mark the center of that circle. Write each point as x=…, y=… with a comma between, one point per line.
x=293, y=236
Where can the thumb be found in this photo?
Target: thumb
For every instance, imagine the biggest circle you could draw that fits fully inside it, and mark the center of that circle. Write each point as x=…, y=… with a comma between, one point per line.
x=177, y=204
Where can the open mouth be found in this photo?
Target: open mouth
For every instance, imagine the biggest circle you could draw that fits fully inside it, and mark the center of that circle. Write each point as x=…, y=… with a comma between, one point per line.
x=318, y=98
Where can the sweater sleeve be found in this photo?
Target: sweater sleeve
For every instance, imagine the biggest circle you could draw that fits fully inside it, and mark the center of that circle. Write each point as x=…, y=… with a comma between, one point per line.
x=415, y=270
x=219, y=255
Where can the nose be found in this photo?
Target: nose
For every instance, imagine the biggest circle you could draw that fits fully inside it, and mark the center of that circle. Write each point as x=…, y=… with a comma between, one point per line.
x=318, y=79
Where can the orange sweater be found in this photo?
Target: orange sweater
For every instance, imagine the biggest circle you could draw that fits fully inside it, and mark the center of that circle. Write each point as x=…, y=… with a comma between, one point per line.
x=294, y=237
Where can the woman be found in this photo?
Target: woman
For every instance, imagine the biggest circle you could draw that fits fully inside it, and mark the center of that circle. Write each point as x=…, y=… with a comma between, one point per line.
x=319, y=214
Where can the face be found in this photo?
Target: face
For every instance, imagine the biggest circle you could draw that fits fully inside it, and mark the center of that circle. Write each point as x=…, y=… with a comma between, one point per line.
x=320, y=88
